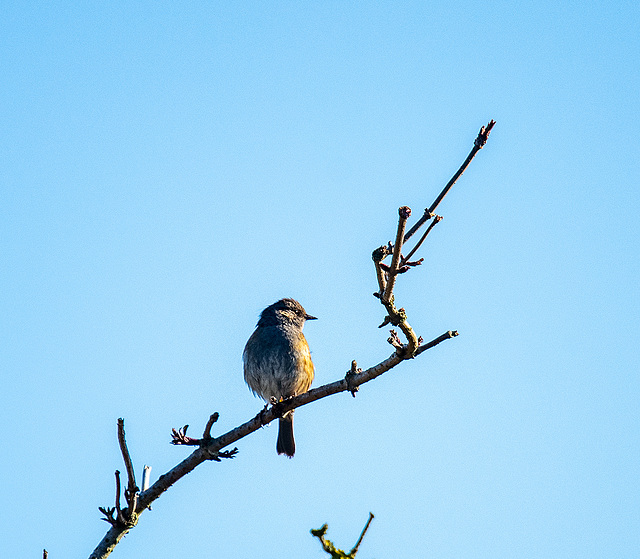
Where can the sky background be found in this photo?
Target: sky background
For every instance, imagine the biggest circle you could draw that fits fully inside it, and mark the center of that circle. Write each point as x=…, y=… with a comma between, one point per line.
x=168, y=170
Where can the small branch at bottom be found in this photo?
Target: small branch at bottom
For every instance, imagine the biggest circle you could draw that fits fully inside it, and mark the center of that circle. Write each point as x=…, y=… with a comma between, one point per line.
x=364, y=531
x=331, y=549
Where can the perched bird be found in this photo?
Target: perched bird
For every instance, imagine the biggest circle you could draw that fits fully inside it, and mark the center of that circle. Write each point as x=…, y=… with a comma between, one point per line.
x=277, y=361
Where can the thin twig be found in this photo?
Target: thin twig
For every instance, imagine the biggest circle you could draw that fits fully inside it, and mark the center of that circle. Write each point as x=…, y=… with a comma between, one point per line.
x=108, y=515
x=404, y=213
x=364, y=531
x=207, y=430
x=478, y=144
x=119, y=515
x=378, y=256
x=331, y=549
x=380, y=275
x=405, y=259
x=131, y=493
x=446, y=336
x=132, y=487
x=211, y=448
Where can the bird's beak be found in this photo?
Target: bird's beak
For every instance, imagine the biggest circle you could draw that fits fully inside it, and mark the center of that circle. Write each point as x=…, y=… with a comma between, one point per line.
x=309, y=317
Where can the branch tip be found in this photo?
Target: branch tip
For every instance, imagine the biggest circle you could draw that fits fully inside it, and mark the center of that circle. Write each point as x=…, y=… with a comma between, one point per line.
x=122, y=519
x=483, y=135
x=179, y=437
x=207, y=430
x=364, y=531
x=406, y=259
x=404, y=212
x=331, y=549
x=132, y=488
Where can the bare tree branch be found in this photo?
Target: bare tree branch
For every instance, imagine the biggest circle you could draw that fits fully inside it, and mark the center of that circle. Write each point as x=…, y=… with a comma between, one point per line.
x=131, y=493
x=353, y=552
x=478, y=144
x=119, y=515
x=211, y=448
x=404, y=213
x=406, y=259
x=331, y=549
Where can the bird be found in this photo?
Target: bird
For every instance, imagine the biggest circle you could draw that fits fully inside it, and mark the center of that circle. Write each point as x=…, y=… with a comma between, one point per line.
x=277, y=362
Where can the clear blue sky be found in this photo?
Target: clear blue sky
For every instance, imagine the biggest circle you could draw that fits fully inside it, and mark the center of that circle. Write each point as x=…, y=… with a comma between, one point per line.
x=168, y=171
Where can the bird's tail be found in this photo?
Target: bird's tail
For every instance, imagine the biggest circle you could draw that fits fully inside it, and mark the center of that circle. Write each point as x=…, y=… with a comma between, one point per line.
x=286, y=443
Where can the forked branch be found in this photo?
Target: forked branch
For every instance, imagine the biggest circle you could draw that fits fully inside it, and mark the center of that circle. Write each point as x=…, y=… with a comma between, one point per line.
x=387, y=275
x=478, y=144
x=331, y=549
x=212, y=448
